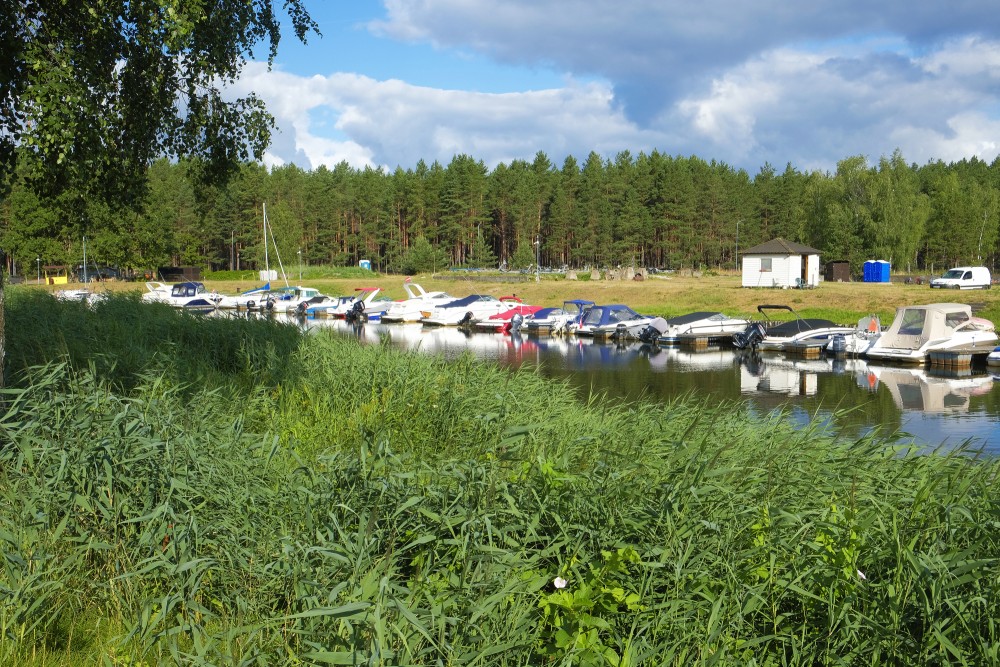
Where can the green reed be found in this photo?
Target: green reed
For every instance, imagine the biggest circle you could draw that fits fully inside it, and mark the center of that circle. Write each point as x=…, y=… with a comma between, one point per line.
x=361, y=505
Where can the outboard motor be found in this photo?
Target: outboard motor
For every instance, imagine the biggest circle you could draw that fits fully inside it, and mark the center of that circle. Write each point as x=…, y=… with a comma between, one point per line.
x=301, y=309
x=837, y=345
x=654, y=330
x=620, y=332
x=750, y=337
x=466, y=320
x=269, y=306
x=515, y=323
x=354, y=313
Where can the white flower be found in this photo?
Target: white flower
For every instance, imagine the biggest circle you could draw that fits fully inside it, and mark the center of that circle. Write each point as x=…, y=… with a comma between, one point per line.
x=559, y=582
x=861, y=576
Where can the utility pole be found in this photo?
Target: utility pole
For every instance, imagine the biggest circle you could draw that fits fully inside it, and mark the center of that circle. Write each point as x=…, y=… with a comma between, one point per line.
x=538, y=259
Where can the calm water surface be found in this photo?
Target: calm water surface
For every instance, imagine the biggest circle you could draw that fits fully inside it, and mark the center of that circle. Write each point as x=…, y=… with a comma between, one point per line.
x=851, y=397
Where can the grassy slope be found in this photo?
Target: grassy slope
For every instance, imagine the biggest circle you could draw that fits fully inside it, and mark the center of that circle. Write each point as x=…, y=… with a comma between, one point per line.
x=246, y=498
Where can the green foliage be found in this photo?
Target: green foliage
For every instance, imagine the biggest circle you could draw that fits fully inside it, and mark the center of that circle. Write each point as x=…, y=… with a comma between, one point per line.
x=523, y=257
x=91, y=95
x=317, y=501
x=481, y=255
x=578, y=616
x=645, y=210
x=422, y=257
x=125, y=341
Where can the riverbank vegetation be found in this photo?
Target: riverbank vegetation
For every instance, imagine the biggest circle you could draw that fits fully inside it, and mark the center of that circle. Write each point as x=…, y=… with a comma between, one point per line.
x=645, y=210
x=199, y=491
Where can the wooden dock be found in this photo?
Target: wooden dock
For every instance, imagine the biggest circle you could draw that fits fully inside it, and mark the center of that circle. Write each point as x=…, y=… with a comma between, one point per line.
x=701, y=341
x=963, y=357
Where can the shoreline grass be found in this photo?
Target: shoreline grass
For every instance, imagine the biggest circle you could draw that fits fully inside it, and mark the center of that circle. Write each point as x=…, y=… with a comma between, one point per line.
x=321, y=502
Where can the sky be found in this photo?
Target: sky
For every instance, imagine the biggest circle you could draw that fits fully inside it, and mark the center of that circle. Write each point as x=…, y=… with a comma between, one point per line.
x=744, y=82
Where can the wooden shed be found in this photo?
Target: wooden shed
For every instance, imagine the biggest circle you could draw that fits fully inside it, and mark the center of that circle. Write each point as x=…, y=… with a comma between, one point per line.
x=781, y=263
x=837, y=271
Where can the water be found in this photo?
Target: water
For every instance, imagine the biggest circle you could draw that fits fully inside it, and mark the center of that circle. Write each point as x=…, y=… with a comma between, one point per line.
x=851, y=397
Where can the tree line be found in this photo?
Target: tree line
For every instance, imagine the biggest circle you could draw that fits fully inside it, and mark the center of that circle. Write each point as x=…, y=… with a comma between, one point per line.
x=650, y=210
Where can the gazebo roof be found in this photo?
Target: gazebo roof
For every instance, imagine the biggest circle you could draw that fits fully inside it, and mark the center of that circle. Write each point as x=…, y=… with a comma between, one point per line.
x=781, y=247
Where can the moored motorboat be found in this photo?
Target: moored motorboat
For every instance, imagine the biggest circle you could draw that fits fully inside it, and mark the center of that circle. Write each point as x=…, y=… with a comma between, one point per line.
x=612, y=320
x=557, y=320
x=340, y=306
x=857, y=343
x=189, y=295
x=251, y=299
x=800, y=332
x=417, y=301
x=468, y=309
x=502, y=321
x=920, y=331
x=295, y=299
x=701, y=323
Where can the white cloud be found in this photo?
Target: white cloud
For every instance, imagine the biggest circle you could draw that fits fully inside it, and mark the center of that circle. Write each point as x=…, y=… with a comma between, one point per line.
x=390, y=123
x=741, y=83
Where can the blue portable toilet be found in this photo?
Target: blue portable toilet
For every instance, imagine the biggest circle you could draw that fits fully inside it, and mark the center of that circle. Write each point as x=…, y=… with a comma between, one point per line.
x=365, y=264
x=881, y=271
x=868, y=271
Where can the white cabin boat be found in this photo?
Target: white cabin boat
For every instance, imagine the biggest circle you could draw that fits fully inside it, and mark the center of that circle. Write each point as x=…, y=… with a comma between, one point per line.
x=918, y=331
x=469, y=309
x=294, y=299
x=189, y=295
x=251, y=299
x=418, y=300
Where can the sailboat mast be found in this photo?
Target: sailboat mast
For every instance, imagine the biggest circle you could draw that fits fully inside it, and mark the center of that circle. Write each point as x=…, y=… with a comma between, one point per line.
x=267, y=265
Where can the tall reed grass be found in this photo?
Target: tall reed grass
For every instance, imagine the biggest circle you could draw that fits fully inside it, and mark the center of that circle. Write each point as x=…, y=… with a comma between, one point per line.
x=361, y=505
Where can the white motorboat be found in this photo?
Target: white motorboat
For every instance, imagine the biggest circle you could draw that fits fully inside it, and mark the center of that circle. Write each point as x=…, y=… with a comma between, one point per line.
x=345, y=307
x=189, y=295
x=469, y=309
x=557, y=320
x=798, y=333
x=918, y=331
x=156, y=291
x=294, y=299
x=856, y=344
x=251, y=299
x=418, y=300
x=612, y=320
x=700, y=323
x=82, y=294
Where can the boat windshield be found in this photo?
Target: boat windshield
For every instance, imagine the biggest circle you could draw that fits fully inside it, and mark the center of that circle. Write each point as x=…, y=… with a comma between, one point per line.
x=912, y=323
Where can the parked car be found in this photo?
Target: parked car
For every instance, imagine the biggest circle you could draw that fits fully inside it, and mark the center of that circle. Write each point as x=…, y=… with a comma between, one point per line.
x=964, y=277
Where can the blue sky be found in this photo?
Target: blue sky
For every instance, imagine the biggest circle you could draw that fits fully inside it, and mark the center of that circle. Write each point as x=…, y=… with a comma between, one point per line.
x=746, y=83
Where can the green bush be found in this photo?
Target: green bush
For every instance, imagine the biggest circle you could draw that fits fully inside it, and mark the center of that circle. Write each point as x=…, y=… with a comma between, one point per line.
x=352, y=504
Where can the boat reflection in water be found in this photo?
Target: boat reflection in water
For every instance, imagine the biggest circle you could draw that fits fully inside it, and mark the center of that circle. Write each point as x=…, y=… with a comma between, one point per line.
x=854, y=397
x=929, y=391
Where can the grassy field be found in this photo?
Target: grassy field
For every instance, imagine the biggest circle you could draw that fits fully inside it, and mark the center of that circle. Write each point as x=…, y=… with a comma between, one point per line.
x=662, y=295
x=181, y=490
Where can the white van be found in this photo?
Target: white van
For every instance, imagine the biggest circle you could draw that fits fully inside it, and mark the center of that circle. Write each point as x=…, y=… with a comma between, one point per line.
x=964, y=277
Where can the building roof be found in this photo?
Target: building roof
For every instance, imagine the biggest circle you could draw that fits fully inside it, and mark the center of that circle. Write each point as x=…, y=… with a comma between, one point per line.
x=781, y=247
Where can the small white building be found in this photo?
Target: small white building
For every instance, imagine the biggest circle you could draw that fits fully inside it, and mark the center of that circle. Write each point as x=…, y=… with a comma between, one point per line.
x=781, y=263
